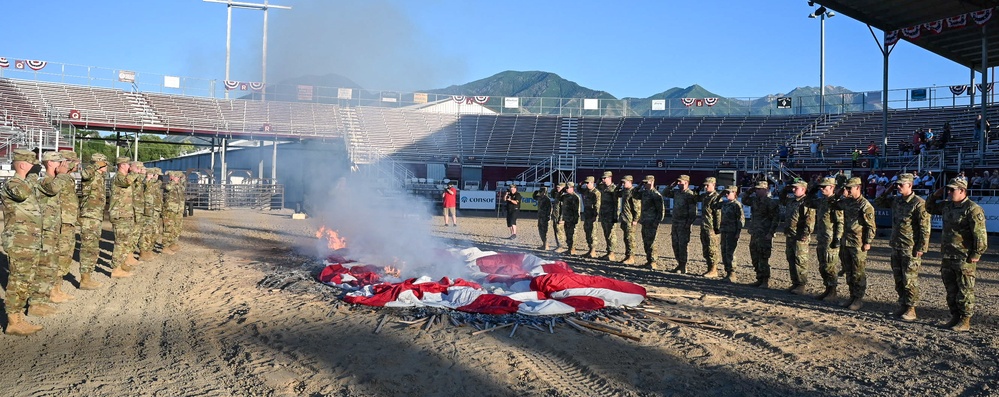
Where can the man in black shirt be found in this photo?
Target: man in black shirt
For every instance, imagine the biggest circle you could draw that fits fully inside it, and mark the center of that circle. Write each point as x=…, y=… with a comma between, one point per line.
x=512, y=199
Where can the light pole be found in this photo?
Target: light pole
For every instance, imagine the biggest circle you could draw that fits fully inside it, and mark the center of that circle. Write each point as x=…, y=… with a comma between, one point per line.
x=228, y=34
x=822, y=13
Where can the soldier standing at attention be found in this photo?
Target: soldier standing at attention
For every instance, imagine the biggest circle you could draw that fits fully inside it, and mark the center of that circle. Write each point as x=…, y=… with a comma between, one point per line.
x=653, y=210
x=48, y=276
x=829, y=227
x=762, y=225
x=963, y=242
x=544, y=214
x=910, y=238
x=137, y=171
x=733, y=218
x=69, y=213
x=799, y=220
x=122, y=219
x=173, y=212
x=571, y=210
x=608, y=212
x=858, y=234
x=683, y=214
x=93, y=180
x=22, y=220
x=152, y=214
x=591, y=209
x=631, y=209
x=711, y=227
x=557, y=215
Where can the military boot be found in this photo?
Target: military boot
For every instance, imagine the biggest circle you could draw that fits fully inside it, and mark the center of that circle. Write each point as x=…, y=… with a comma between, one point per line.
x=954, y=319
x=57, y=296
x=610, y=256
x=87, y=282
x=130, y=260
x=798, y=290
x=120, y=272
x=167, y=250
x=176, y=248
x=712, y=272
x=41, y=310
x=651, y=265
x=828, y=295
x=592, y=253
x=18, y=325
x=856, y=304
x=761, y=283
x=146, y=256
x=572, y=251
x=730, y=277
x=909, y=314
x=628, y=260
x=680, y=269
x=963, y=324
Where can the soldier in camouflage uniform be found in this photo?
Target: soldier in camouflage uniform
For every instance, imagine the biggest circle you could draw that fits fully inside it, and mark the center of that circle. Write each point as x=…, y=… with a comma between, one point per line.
x=48, y=277
x=963, y=242
x=70, y=213
x=910, y=238
x=631, y=209
x=153, y=213
x=799, y=219
x=858, y=234
x=591, y=209
x=544, y=214
x=557, y=215
x=711, y=227
x=137, y=171
x=173, y=211
x=733, y=218
x=762, y=226
x=571, y=211
x=608, y=212
x=22, y=226
x=93, y=180
x=829, y=230
x=683, y=214
x=653, y=211
x=122, y=220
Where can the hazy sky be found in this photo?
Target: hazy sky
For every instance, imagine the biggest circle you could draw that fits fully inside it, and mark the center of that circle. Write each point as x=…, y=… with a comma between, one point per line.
x=636, y=48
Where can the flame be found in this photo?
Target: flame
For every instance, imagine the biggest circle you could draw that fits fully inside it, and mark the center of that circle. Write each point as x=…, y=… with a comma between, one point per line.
x=334, y=241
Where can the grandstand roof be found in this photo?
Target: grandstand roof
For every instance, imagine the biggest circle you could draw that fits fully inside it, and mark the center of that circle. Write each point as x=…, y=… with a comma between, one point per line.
x=963, y=46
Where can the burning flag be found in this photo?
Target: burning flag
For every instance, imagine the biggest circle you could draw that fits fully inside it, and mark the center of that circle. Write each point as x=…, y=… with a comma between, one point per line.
x=334, y=241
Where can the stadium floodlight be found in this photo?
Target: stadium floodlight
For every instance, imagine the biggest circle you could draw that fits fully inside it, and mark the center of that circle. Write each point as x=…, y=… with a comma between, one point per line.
x=811, y=3
x=228, y=33
x=822, y=13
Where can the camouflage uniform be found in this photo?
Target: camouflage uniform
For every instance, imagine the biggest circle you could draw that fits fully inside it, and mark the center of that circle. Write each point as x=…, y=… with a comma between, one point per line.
x=733, y=218
x=122, y=217
x=608, y=214
x=910, y=233
x=557, y=215
x=48, y=265
x=762, y=225
x=653, y=211
x=711, y=228
x=22, y=218
x=964, y=240
x=92, y=206
x=797, y=226
x=70, y=214
x=829, y=231
x=858, y=229
x=570, y=216
x=591, y=208
x=631, y=209
x=173, y=210
x=152, y=211
x=138, y=207
x=544, y=214
x=683, y=214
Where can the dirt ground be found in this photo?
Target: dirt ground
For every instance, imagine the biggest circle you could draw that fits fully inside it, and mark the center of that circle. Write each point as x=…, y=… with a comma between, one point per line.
x=238, y=313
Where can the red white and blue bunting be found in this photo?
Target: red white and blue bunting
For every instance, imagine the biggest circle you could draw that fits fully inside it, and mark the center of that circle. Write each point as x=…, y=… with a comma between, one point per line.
x=910, y=33
x=4, y=63
x=242, y=85
x=36, y=65
x=958, y=89
x=256, y=85
x=468, y=100
x=988, y=87
x=688, y=102
x=230, y=84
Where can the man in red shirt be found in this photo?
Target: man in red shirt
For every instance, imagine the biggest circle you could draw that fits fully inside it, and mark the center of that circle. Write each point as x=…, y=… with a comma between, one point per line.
x=450, y=196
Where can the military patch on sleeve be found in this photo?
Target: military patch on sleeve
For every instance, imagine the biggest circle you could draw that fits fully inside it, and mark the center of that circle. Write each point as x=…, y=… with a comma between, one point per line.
x=980, y=216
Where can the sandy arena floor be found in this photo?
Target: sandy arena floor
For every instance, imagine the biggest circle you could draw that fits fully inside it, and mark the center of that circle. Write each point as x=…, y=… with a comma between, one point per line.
x=237, y=313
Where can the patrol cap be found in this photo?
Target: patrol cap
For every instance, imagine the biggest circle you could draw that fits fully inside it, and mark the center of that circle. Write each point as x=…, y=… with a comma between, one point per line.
x=154, y=171
x=685, y=178
x=137, y=164
x=762, y=185
x=905, y=178
x=561, y=185
x=627, y=178
x=570, y=184
x=854, y=182
x=827, y=182
x=590, y=179
x=649, y=178
x=25, y=155
x=958, y=183
x=122, y=160
x=543, y=189
x=800, y=183
x=69, y=155
x=52, y=156
x=710, y=179
x=608, y=174
x=732, y=188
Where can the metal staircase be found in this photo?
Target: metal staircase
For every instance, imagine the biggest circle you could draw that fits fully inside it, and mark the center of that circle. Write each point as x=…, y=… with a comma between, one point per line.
x=816, y=130
x=140, y=107
x=369, y=161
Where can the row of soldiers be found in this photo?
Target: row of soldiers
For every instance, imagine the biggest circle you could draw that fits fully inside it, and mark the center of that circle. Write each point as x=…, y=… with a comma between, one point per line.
x=837, y=213
x=42, y=217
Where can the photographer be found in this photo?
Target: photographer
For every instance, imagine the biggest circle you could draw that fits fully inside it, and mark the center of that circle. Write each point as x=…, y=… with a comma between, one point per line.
x=512, y=199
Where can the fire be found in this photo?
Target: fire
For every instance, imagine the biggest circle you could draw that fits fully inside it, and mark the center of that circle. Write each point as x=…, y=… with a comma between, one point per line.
x=334, y=241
